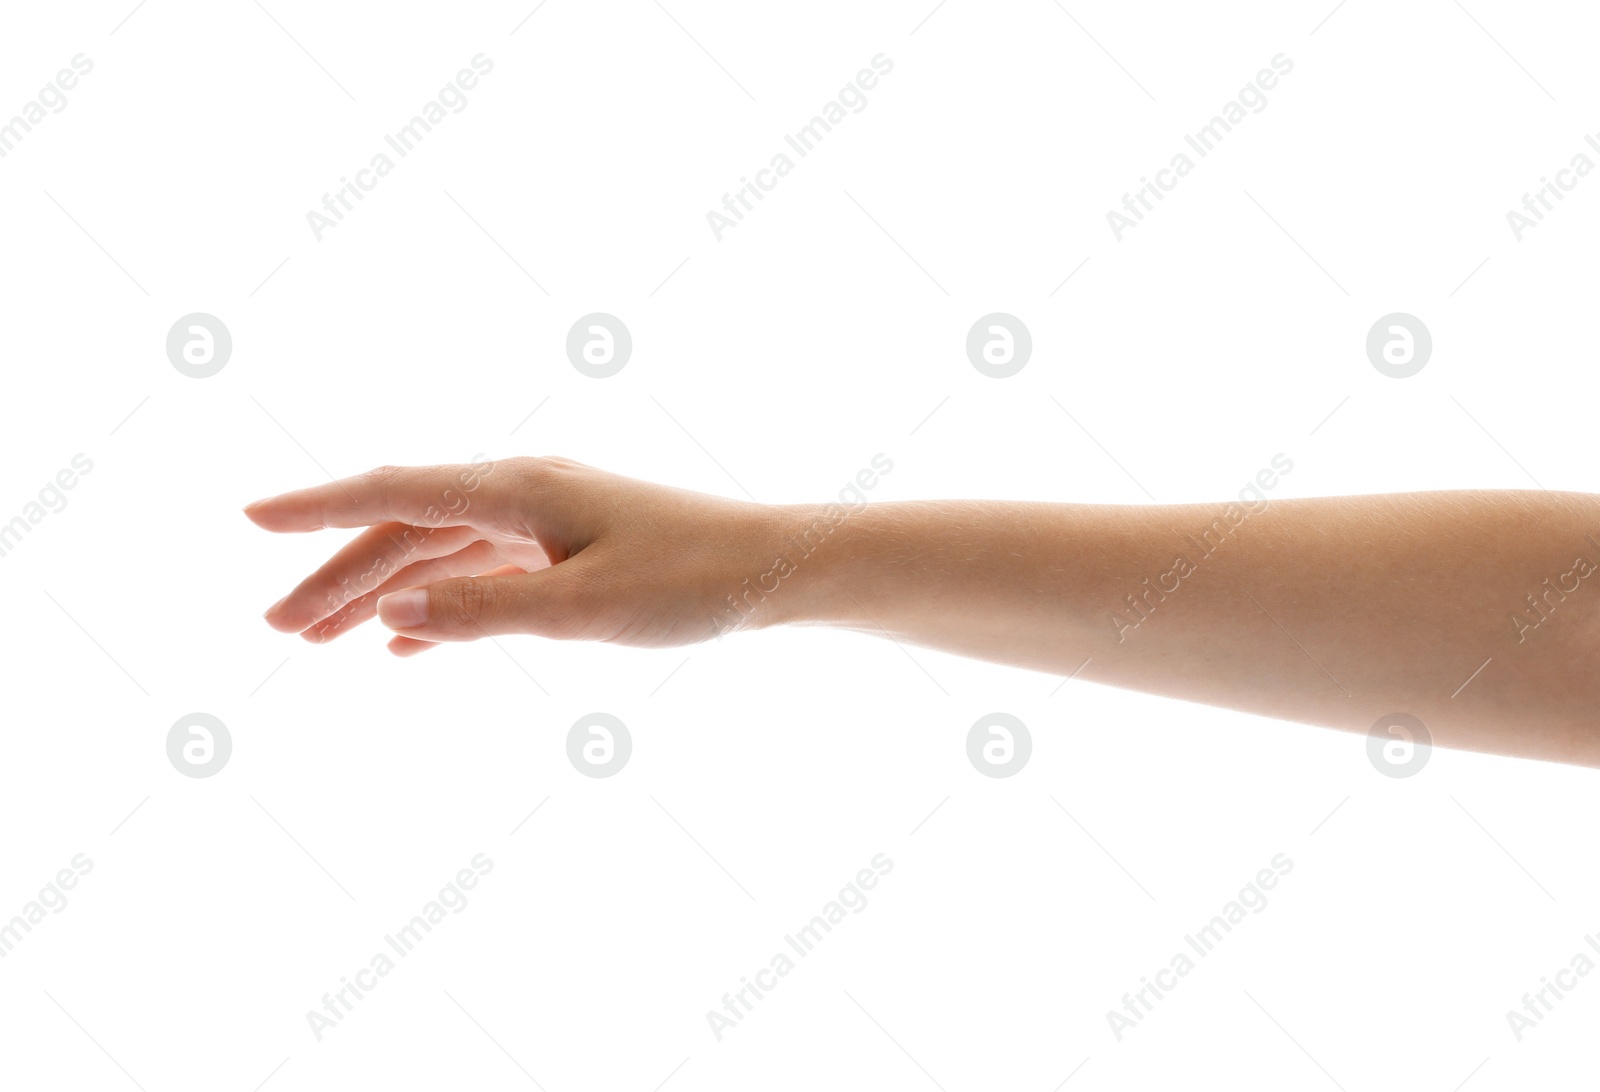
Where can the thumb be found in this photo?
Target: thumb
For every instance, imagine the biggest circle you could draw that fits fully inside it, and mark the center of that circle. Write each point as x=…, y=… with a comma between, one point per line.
x=473, y=607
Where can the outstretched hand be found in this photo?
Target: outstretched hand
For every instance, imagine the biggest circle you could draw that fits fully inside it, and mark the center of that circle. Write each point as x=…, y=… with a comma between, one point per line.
x=543, y=546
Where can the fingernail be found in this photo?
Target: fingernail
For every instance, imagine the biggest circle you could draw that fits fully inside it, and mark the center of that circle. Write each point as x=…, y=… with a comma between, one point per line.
x=268, y=612
x=404, y=609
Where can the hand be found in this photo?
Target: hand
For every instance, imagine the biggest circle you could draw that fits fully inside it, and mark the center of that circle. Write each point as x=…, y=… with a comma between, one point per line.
x=544, y=546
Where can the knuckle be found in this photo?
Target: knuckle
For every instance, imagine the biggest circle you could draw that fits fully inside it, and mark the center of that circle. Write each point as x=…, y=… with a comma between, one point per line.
x=382, y=480
x=539, y=468
x=466, y=602
x=534, y=474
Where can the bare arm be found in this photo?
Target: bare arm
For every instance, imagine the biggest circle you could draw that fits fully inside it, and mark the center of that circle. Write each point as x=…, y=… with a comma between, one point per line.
x=1333, y=611
x=1469, y=610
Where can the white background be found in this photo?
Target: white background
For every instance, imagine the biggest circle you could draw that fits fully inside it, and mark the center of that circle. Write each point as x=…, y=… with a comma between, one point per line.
x=826, y=328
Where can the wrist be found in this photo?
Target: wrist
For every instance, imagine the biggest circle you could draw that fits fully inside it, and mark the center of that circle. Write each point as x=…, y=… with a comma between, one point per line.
x=822, y=559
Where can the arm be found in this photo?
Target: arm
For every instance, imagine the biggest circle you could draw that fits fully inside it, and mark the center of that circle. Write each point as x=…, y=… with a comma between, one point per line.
x=1332, y=611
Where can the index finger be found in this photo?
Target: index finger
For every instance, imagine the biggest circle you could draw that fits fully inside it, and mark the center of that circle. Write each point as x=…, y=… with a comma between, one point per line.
x=423, y=496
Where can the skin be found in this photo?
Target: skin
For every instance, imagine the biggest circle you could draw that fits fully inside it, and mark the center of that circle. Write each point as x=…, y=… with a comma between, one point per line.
x=1471, y=610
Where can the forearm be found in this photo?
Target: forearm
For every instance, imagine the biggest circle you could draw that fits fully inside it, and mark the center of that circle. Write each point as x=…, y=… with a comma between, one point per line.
x=1332, y=611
